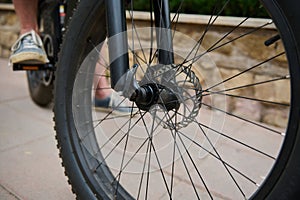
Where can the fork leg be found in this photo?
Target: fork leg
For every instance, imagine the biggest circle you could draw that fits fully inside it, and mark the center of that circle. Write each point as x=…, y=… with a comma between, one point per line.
x=117, y=40
x=163, y=32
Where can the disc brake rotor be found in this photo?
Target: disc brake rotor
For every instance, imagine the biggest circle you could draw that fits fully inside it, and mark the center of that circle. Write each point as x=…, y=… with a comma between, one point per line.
x=183, y=82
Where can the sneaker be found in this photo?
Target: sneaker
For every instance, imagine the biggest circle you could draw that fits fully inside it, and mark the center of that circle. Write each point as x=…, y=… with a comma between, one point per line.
x=28, y=49
x=115, y=105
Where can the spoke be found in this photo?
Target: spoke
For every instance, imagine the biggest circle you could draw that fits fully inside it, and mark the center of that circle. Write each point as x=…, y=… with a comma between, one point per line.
x=214, y=156
x=239, y=142
x=214, y=47
x=119, y=130
x=105, y=118
x=143, y=171
x=223, y=162
x=114, y=117
x=148, y=152
x=207, y=28
x=227, y=34
x=124, y=152
x=148, y=171
x=134, y=31
x=221, y=39
x=131, y=158
x=151, y=36
x=173, y=159
x=149, y=158
x=110, y=152
x=175, y=18
x=249, y=69
x=246, y=120
x=150, y=136
x=177, y=14
x=160, y=167
x=248, y=98
x=184, y=163
x=174, y=133
x=254, y=84
x=144, y=123
x=137, y=57
x=195, y=167
x=218, y=158
x=208, y=25
x=106, y=63
x=235, y=140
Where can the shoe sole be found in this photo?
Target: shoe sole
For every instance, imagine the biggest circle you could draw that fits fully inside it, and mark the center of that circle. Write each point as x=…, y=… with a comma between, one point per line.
x=29, y=58
x=114, y=112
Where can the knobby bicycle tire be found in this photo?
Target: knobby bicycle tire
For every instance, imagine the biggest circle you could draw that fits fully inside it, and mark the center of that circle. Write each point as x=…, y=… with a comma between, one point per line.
x=40, y=83
x=93, y=176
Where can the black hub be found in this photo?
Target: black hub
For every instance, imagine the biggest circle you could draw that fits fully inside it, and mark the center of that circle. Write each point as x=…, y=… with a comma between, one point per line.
x=151, y=94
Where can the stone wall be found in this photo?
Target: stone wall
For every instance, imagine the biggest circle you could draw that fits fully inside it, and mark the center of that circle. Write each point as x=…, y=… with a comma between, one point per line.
x=230, y=59
x=9, y=29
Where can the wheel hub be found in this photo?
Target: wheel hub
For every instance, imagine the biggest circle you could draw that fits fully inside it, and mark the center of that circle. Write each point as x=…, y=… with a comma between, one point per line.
x=173, y=90
x=152, y=94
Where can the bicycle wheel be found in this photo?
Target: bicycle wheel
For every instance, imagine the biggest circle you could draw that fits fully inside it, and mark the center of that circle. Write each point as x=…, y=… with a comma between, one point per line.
x=228, y=131
x=40, y=83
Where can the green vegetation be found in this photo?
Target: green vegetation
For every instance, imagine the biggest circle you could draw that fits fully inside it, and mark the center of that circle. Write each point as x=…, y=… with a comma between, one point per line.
x=232, y=8
x=5, y=1
x=239, y=8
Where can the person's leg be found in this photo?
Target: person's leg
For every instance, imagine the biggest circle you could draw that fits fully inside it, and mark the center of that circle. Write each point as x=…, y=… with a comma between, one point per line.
x=29, y=47
x=27, y=13
x=101, y=83
x=105, y=98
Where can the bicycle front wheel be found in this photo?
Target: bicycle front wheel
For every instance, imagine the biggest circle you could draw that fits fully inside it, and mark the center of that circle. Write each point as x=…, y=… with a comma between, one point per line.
x=229, y=129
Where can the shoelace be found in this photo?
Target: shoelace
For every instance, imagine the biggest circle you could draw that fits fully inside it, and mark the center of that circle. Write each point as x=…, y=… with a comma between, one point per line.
x=27, y=39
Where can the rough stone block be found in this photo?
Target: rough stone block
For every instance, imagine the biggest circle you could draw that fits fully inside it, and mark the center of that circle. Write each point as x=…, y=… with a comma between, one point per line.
x=11, y=19
x=276, y=91
x=5, y=53
x=250, y=110
x=276, y=116
x=264, y=91
x=282, y=91
x=242, y=80
x=211, y=40
x=7, y=39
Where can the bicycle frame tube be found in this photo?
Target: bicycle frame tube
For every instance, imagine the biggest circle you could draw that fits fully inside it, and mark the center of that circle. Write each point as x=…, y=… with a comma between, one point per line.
x=118, y=46
x=116, y=27
x=163, y=31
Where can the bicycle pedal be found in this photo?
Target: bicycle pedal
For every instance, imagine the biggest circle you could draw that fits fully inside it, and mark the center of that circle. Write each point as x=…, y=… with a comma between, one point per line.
x=33, y=67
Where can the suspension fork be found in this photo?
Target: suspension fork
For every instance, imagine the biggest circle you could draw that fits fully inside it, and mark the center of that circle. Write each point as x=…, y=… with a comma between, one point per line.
x=118, y=46
x=117, y=40
x=163, y=31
